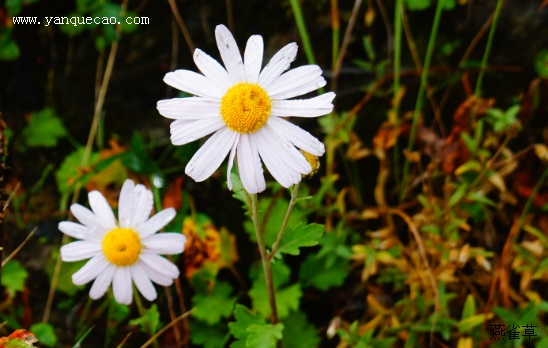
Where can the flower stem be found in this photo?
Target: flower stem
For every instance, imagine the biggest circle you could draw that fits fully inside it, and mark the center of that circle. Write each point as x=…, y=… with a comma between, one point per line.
x=292, y=202
x=252, y=204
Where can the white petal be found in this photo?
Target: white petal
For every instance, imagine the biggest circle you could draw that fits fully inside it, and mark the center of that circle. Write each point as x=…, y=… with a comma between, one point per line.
x=253, y=58
x=143, y=283
x=191, y=108
x=121, y=285
x=102, y=209
x=73, y=229
x=157, y=222
x=156, y=277
x=165, y=243
x=278, y=64
x=249, y=165
x=95, y=266
x=210, y=156
x=193, y=83
x=289, y=154
x=212, y=69
x=275, y=164
x=85, y=216
x=125, y=203
x=184, y=131
x=231, y=162
x=295, y=80
x=79, y=250
x=314, y=107
x=297, y=136
x=102, y=283
x=142, y=206
x=230, y=53
x=160, y=264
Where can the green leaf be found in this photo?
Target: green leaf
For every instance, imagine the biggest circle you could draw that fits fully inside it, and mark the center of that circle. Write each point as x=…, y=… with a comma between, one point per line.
x=69, y=173
x=136, y=158
x=469, y=308
x=418, y=5
x=467, y=324
x=244, y=318
x=541, y=64
x=149, y=322
x=287, y=298
x=300, y=236
x=118, y=312
x=45, y=334
x=44, y=129
x=264, y=336
x=211, y=307
x=207, y=336
x=275, y=219
x=13, y=277
x=8, y=48
x=317, y=273
x=298, y=332
x=14, y=7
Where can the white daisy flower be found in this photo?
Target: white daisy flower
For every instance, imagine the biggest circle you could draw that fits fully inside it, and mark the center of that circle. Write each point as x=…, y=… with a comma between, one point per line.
x=243, y=107
x=125, y=251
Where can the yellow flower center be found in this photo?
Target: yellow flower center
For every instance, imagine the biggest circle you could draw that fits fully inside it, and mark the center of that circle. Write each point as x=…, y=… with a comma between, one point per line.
x=314, y=162
x=245, y=107
x=122, y=246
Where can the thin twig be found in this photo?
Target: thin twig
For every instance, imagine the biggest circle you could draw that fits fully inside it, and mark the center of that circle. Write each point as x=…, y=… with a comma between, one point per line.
x=184, y=29
x=346, y=39
x=19, y=247
x=165, y=328
x=292, y=202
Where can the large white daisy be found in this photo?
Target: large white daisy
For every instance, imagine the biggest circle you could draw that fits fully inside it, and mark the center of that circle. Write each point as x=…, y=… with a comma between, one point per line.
x=243, y=107
x=125, y=251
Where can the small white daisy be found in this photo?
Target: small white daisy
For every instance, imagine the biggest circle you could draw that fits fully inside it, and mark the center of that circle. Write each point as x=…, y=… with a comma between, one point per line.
x=123, y=252
x=243, y=106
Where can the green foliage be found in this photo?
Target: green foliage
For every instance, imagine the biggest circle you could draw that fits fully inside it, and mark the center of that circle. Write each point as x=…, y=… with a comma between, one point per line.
x=321, y=274
x=45, y=334
x=210, y=307
x=541, y=64
x=287, y=297
x=502, y=120
x=137, y=160
x=14, y=276
x=44, y=129
x=65, y=284
x=8, y=48
x=250, y=330
x=299, y=236
x=149, y=322
x=264, y=336
x=419, y=5
x=298, y=332
x=207, y=336
x=69, y=173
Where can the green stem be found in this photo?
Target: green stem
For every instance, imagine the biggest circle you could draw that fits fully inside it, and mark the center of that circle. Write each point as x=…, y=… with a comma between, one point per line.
x=294, y=194
x=488, y=47
x=252, y=204
x=422, y=89
x=302, y=31
x=396, y=86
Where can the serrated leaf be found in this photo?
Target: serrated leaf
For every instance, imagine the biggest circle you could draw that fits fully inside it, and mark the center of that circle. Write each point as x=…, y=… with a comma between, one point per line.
x=264, y=336
x=207, y=336
x=70, y=171
x=298, y=332
x=244, y=318
x=149, y=322
x=287, y=298
x=44, y=129
x=45, y=334
x=211, y=307
x=13, y=277
x=321, y=275
x=300, y=236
